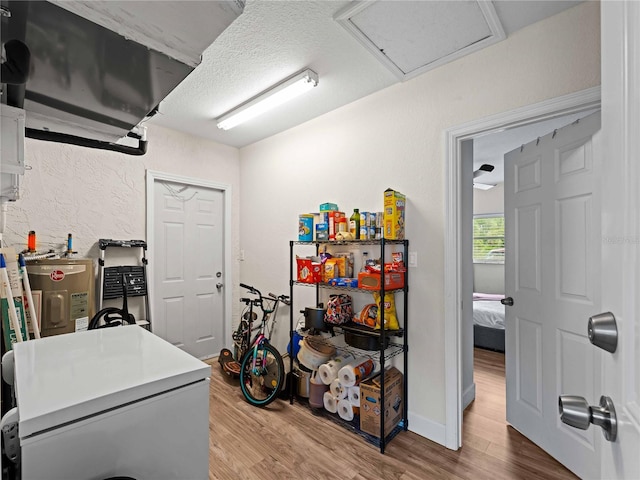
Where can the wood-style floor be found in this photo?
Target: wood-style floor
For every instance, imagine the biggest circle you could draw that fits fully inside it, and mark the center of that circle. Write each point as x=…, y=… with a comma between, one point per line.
x=286, y=441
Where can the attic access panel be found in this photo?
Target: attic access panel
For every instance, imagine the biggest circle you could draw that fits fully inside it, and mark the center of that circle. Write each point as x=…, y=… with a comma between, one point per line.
x=412, y=37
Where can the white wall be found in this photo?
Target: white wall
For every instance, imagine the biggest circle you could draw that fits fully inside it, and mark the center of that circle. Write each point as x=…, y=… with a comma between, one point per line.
x=488, y=201
x=394, y=138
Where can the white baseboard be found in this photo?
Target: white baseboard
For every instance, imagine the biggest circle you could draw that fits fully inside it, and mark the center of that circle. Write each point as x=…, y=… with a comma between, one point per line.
x=468, y=396
x=427, y=428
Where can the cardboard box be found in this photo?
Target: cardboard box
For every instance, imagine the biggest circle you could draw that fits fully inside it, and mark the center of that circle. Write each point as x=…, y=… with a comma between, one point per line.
x=371, y=281
x=335, y=218
x=325, y=207
x=10, y=336
x=308, y=270
x=370, y=406
x=322, y=232
x=394, y=206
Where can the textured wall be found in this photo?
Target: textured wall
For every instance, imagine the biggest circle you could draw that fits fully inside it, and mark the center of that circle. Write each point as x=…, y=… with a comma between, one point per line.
x=394, y=138
x=98, y=194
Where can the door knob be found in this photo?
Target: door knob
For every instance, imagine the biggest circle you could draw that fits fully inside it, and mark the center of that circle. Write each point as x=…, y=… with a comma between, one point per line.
x=219, y=286
x=576, y=412
x=507, y=301
x=603, y=331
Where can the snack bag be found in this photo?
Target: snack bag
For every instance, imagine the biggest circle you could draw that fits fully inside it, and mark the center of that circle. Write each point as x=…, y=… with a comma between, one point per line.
x=390, y=316
x=368, y=316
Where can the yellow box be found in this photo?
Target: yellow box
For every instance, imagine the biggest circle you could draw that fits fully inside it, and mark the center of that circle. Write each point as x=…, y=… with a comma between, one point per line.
x=393, y=216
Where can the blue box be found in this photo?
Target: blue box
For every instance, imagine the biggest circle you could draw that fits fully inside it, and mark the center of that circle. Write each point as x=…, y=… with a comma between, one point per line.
x=305, y=227
x=325, y=207
x=322, y=232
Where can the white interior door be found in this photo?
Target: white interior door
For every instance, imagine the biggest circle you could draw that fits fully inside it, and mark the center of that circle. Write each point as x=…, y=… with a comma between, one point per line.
x=620, y=27
x=188, y=245
x=552, y=265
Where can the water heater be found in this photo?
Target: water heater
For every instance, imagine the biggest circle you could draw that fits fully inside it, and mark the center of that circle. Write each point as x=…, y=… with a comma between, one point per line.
x=67, y=287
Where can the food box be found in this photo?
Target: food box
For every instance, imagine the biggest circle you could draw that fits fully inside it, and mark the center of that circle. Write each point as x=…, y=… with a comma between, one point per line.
x=305, y=227
x=371, y=408
x=371, y=281
x=324, y=207
x=335, y=218
x=322, y=232
x=309, y=271
x=330, y=270
x=393, y=221
x=344, y=282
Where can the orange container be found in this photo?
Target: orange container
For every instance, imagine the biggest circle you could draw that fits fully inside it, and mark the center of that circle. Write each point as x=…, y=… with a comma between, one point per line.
x=309, y=271
x=371, y=281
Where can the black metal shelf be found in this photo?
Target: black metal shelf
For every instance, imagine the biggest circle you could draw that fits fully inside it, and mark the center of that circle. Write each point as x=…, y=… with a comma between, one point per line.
x=351, y=242
x=380, y=356
x=357, y=328
x=353, y=425
x=346, y=289
x=392, y=350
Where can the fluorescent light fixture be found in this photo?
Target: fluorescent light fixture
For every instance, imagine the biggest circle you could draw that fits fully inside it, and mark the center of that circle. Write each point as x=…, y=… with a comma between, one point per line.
x=265, y=101
x=482, y=186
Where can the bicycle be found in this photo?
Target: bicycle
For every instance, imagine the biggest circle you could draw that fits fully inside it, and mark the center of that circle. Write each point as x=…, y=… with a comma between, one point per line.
x=261, y=365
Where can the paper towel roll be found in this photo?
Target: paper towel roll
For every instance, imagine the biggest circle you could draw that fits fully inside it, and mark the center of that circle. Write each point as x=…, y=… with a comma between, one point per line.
x=345, y=410
x=354, y=395
x=354, y=372
x=329, y=371
x=330, y=402
x=338, y=390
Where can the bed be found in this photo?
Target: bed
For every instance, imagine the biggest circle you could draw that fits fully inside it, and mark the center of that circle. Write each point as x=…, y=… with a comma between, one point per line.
x=488, y=321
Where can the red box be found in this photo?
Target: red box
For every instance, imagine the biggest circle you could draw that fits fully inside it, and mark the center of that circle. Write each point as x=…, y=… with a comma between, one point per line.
x=334, y=218
x=309, y=271
x=371, y=281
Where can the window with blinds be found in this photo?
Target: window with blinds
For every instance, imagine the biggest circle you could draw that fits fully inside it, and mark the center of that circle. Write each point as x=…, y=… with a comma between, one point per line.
x=488, y=239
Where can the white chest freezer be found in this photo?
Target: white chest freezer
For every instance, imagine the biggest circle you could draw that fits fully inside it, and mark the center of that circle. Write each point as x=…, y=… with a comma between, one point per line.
x=108, y=403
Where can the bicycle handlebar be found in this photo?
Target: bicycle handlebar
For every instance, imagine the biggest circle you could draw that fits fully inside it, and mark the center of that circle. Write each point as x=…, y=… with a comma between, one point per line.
x=281, y=298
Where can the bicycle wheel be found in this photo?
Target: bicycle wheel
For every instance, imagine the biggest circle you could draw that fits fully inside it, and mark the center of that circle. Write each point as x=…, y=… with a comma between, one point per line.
x=260, y=386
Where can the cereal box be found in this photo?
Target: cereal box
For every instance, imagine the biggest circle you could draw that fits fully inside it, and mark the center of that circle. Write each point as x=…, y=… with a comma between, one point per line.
x=393, y=222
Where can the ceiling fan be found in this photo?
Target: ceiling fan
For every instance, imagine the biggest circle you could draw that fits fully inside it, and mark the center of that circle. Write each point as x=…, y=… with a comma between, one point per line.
x=484, y=168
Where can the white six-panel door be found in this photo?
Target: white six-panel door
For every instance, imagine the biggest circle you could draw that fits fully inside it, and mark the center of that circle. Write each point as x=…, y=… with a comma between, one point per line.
x=188, y=265
x=552, y=265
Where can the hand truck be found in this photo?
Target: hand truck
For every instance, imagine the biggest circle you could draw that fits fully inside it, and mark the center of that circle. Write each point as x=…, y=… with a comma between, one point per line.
x=134, y=276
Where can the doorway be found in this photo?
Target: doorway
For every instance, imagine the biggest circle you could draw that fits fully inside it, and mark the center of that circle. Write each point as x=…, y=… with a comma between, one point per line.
x=455, y=233
x=188, y=231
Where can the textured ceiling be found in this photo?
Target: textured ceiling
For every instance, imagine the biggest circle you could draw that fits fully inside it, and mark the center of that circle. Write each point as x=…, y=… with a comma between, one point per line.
x=272, y=40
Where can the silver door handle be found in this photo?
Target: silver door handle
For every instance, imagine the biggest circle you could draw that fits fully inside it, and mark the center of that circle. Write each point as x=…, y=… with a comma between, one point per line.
x=576, y=412
x=219, y=286
x=603, y=331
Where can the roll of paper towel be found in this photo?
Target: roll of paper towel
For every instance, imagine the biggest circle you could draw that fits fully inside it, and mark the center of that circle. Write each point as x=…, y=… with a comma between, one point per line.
x=330, y=402
x=329, y=371
x=338, y=390
x=346, y=410
x=355, y=371
x=354, y=395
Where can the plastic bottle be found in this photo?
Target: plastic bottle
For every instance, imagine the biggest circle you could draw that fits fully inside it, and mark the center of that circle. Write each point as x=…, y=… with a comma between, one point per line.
x=354, y=224
x=365, y=257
